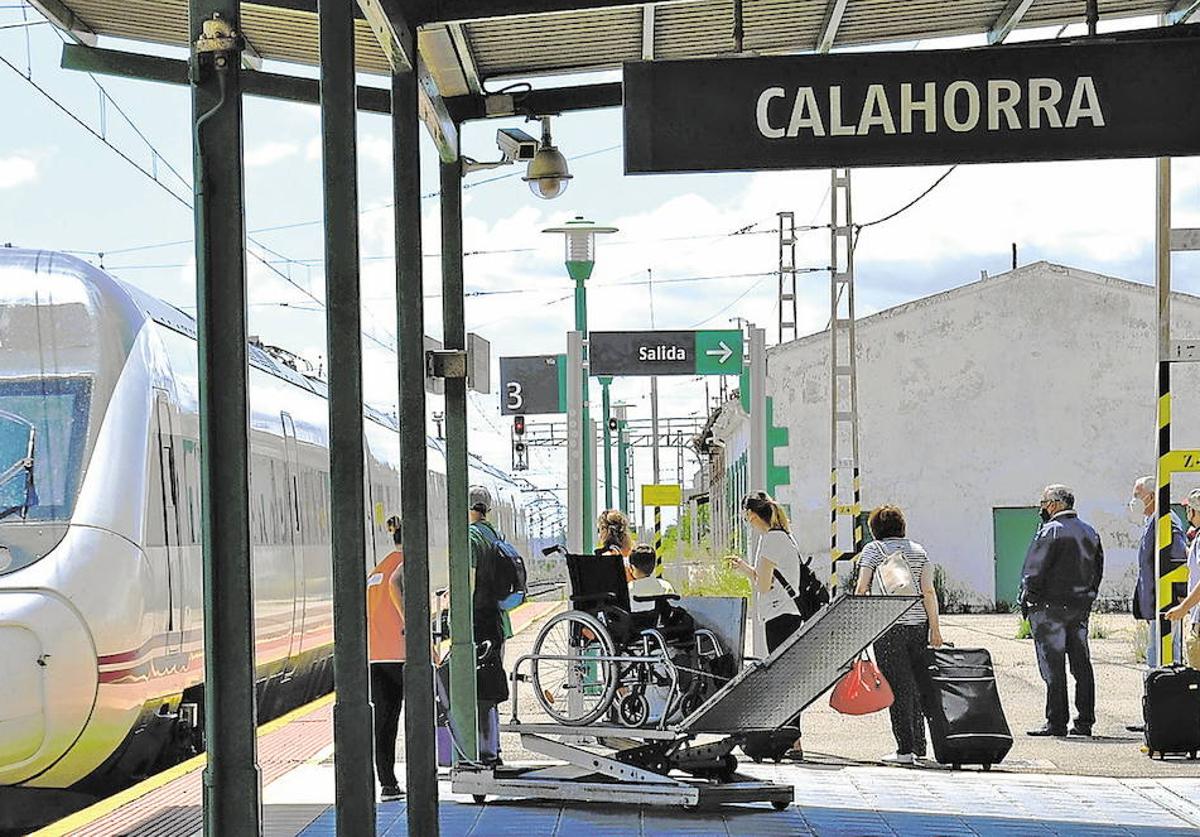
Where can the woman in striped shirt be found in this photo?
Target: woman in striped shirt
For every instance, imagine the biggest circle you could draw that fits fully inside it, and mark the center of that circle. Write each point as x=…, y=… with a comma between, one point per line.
x=901, y=651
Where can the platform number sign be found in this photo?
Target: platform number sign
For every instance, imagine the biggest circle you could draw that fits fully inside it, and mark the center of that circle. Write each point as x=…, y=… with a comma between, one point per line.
x=533, y=385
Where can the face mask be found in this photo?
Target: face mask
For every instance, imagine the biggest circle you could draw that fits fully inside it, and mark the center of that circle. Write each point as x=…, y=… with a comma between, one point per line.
x=1045, y=514
x=1137, y=509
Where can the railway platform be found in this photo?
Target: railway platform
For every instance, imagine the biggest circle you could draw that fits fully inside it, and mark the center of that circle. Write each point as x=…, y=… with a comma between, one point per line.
x=833, y=795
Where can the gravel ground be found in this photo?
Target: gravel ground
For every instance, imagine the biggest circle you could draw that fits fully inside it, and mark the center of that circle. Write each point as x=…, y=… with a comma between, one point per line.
x=834, y=739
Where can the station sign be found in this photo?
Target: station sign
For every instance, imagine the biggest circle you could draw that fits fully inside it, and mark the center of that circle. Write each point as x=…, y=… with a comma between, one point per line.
x=1133, y=97
x=533, y=385
x=662, y=495
x=711, y=352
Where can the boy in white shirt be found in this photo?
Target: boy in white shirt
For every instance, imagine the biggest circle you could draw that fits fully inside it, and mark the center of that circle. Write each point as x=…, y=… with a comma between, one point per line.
x=642, y=562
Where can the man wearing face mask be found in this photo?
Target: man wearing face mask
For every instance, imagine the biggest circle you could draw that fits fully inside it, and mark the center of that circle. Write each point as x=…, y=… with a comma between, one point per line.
x=1143, y=505
x=1059, y=582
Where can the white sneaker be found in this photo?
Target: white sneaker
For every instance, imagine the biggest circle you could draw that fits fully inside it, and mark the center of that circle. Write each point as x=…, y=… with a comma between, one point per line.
x=906, y=759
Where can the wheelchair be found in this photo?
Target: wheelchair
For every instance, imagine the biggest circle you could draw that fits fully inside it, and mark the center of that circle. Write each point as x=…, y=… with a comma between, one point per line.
x=601, y=659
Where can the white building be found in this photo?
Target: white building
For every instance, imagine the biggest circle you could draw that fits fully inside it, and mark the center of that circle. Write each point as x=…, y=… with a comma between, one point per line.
x=970, y=401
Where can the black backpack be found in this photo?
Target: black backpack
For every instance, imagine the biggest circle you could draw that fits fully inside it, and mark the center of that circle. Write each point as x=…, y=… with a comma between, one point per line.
x=505, y=580
x=812, y=595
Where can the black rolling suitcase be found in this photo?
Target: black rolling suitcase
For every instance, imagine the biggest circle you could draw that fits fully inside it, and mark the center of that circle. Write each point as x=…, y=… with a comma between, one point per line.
x=1171, y=710
x=962, y=705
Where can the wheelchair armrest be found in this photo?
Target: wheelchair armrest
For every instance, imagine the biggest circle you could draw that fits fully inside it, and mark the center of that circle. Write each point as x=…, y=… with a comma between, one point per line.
x=662, y=597
x=594, y=599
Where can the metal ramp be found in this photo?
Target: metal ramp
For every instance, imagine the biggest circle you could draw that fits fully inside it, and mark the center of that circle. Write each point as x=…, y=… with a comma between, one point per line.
x=668, y=766
x=766, y=695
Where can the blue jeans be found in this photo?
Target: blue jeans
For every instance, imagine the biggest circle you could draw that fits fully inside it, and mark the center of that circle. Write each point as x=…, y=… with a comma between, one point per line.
x=1176, y=645
x=1060, y=637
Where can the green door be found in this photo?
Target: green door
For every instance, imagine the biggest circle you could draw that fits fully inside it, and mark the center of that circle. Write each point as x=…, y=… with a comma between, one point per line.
x=1013, y=530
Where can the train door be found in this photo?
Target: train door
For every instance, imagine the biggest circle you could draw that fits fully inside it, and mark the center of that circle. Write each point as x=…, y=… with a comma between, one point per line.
x=295, y=539
x=168, y=475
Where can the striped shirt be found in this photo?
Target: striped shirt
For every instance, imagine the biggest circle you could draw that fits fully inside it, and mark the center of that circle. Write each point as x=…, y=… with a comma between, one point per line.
x=876, y=552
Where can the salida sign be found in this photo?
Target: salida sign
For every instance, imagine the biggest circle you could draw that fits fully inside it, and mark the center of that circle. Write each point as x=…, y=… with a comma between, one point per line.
x=1041, y=102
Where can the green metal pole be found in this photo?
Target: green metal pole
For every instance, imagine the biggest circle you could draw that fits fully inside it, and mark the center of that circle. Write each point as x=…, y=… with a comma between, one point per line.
x=587, y=511
x=231, y=776
x=605, y=382
x=623, y=466
x=420, y=750
x=352, y=723
x=462, y=631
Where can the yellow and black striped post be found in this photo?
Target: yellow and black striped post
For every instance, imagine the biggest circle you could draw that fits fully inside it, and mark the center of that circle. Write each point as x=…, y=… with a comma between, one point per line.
x=834, y=554
x=856, y=510
x=658, y=556
x=1163, y=506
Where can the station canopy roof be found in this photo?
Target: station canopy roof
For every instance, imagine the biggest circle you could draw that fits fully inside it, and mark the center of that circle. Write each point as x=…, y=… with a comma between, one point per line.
x=464, y=43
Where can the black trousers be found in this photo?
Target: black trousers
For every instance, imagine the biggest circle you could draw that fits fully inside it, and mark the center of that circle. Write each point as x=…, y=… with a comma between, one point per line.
x=901, y=655
x=387, y=696
x=1060, y=637
x=776, y=631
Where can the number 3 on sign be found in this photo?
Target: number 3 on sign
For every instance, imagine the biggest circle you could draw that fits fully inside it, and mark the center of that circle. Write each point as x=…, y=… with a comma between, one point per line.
x=515, y=399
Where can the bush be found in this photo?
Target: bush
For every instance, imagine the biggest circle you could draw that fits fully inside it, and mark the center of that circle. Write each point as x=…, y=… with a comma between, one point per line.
x=1099, y=628
x=1141, y=638
x=1024, y=631
x=716, y=578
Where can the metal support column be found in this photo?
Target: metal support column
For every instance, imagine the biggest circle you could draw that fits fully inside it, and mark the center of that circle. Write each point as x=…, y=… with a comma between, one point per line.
x=843, y=375
x=606, y=407
x=231, y=777
x=420, y=749
x=462, y=630
x=758, y=409
x=788, y=310
x=577, y=523
x=1162, y=628
x=682, y=501
x=623, y=465
x=352, y=722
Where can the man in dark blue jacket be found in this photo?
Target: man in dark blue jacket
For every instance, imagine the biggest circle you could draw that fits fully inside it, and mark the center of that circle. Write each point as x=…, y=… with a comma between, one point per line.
x=1059, y=583
x=1145, y=594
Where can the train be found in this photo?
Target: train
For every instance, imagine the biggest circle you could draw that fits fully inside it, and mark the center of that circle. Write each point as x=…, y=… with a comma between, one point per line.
x=101, y=614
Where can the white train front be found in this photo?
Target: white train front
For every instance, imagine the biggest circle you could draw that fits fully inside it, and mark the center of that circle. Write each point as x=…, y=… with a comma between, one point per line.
x=101, y=653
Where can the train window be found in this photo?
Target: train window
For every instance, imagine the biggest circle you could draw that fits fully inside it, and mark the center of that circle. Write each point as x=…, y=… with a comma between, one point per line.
x=56, y=411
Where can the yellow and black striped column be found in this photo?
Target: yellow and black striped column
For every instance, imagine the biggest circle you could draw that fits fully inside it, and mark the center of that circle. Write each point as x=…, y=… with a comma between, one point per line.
x=658, y=538
x=1172, y=578
x=834, y=554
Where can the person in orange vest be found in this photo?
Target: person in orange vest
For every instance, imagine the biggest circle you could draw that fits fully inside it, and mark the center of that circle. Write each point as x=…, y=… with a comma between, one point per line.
x=385, y=649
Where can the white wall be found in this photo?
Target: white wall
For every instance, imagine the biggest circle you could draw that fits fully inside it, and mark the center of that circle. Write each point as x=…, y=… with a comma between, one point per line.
x=977, y=397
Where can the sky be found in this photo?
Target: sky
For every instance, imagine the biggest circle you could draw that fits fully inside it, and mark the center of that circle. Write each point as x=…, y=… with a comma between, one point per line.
x=676, y=262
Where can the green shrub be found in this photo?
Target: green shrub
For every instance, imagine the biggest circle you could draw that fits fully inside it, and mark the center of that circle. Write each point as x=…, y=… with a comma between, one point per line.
x=1024, y=631
x=716, y=578
x=1099, y=628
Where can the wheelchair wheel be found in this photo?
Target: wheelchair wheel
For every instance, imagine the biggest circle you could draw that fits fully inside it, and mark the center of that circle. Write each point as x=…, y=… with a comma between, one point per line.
x=576, y=689
x=634, y=710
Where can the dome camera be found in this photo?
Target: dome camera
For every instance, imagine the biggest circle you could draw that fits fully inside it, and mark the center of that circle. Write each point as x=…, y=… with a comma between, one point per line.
x=547, y=173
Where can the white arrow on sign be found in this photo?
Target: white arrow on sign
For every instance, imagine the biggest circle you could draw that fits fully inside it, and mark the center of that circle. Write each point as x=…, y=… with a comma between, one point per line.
x=724, y=352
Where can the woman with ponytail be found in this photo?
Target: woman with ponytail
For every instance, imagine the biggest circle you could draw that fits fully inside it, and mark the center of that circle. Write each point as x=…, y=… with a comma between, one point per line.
x=612, y=535
x=774, y=576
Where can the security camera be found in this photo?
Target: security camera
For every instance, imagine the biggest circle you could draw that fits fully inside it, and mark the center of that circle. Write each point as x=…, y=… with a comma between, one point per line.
x=515, y=145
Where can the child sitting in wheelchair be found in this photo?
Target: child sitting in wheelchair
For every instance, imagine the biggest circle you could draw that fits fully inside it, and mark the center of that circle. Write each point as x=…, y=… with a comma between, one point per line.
x=645, y=587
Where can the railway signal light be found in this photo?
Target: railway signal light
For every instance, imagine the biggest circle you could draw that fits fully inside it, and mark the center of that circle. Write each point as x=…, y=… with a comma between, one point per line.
x=612, y=425
x=520, y=451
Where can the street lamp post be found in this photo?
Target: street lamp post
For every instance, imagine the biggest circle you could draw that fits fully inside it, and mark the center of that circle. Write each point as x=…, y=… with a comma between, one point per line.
x=579, y=236
x=605, y=383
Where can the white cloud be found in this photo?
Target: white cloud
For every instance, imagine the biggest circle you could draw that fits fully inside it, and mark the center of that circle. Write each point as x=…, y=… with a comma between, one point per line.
x=16, y=170
x=269, y=153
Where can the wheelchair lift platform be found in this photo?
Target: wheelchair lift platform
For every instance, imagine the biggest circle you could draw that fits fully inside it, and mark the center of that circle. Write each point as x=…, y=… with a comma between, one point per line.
x=672, y=765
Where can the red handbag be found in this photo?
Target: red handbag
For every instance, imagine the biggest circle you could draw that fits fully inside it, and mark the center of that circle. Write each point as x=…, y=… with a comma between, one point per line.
x=862, y=690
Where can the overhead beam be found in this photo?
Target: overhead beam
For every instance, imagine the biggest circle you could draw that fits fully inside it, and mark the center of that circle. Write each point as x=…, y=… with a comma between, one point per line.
x=833, y=19
x=648, y=26
x=466, y=58
x=1182, y=11
x=57, y=13
x=536, y=102
x=424, y=12
x=1008, y=20
x=113, y=62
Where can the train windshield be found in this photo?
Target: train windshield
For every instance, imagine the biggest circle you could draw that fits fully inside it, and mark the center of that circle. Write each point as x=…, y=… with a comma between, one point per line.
x=43, y=427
